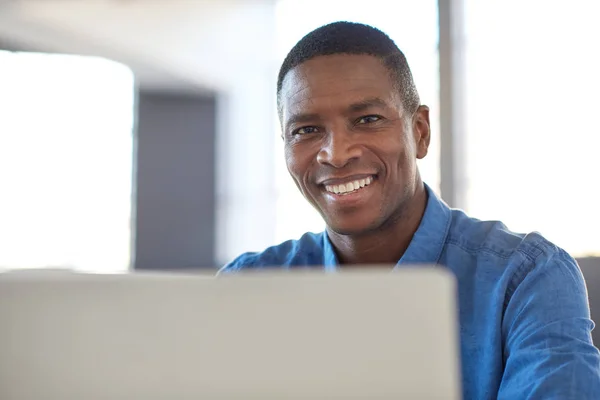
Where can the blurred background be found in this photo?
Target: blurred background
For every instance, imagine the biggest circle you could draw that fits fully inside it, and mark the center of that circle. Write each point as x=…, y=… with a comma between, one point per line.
x=143, y=133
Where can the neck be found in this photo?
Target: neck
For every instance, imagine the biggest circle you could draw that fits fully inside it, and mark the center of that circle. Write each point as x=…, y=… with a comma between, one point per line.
x=387, y=244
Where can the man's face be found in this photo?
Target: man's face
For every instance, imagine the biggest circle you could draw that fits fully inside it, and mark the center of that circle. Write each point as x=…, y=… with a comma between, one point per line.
x=349, y=146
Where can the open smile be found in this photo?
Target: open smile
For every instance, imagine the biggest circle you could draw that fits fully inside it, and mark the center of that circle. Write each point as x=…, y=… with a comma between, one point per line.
x=349, y=187
x=350, y=191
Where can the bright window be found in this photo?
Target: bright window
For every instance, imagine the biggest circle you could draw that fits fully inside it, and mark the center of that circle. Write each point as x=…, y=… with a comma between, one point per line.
x=413, y=25
x=533, y=95
x=65, y=162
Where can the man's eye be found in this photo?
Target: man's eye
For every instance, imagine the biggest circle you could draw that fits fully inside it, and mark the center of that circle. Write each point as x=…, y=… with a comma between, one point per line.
x=368, y=119
x=305, y=130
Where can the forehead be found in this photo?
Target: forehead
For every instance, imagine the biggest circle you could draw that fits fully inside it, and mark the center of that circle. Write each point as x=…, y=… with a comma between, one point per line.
x=327, y=83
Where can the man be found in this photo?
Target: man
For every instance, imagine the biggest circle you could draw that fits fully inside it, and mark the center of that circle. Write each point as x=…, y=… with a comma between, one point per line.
x=353, y=128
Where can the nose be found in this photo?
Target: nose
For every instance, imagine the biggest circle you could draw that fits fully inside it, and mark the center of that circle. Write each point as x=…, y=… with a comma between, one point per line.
x=338, y=149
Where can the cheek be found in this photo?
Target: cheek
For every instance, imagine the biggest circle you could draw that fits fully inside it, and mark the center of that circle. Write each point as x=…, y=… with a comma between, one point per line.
x=289, y=160
x=400, y=158
x=296, y=162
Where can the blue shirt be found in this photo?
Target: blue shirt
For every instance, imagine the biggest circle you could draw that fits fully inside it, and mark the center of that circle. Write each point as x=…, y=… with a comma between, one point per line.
x=525, y=324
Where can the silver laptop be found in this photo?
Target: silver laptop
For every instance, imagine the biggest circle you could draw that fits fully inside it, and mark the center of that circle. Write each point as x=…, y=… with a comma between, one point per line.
x=302, y=335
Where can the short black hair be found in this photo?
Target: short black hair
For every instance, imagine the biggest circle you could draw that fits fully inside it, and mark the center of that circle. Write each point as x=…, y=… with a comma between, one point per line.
x=353, y=38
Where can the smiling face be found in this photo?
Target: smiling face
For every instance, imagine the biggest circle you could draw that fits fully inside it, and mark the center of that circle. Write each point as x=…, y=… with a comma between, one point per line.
x=349, y=144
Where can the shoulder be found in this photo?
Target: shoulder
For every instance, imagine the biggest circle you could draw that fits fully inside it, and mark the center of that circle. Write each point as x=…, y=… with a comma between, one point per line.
x=304, y=251
x=515, y=254
x=495, y=238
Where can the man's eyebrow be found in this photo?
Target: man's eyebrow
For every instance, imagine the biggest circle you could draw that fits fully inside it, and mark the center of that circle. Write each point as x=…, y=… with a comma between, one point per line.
x=300, y=118
x=372, y=102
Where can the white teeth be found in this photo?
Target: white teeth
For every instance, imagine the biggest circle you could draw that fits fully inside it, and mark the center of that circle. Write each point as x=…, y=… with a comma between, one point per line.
x=350, y=186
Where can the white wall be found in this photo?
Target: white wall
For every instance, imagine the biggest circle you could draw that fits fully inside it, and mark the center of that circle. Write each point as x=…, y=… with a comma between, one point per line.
x=224, y=46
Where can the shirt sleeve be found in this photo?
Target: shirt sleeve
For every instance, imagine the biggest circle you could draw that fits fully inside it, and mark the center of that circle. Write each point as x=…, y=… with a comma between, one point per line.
x=548, y=349
x=235, y=265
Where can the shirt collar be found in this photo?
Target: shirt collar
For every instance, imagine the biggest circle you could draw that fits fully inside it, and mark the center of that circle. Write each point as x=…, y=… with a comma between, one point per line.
x=427, y=243
x=330, y=260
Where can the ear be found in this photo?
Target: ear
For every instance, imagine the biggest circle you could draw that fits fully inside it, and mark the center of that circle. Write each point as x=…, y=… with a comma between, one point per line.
x=421, y=130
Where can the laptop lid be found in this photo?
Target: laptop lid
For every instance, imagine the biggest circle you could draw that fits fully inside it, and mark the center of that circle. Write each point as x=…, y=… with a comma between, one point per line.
x=303, y=335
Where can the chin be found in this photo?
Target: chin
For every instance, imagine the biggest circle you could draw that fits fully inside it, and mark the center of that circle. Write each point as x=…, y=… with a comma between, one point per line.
x=351, y=226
